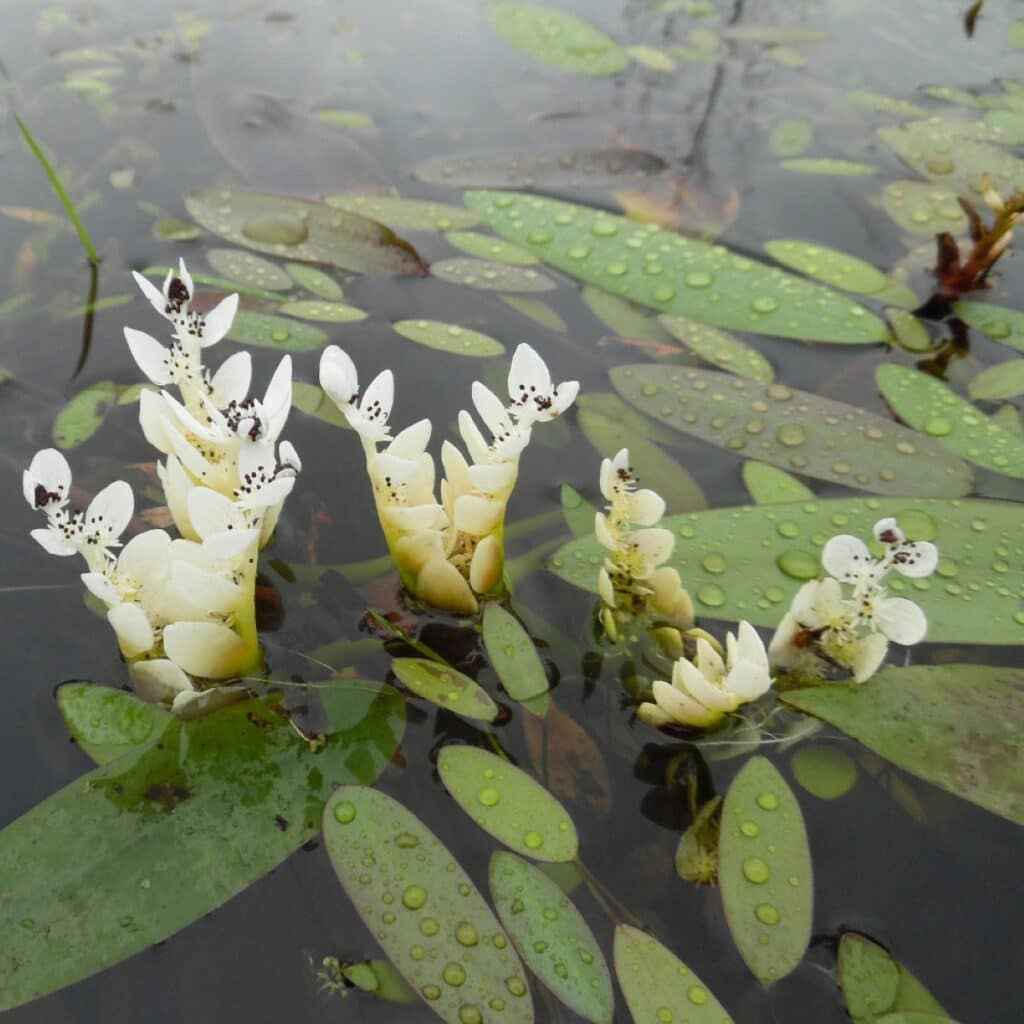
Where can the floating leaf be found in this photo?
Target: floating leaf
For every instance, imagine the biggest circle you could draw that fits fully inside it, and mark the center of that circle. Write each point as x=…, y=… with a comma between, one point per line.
x=1008, y=125
x=107, y=723
x=501, y=277
x=221, y=284
x=445, y=687
x=556, y=38
x=748, y=562
x=1015, y=34
x=459, y=341
x=536, y=310
x=949, y=94
x=658, y=470
x=836, y=268
x=423, y=909
x=771, y=423
x=658, y=985
x=720, y=349
x=791, y=136
x=770, y=485
x=824, y=770
x=269, y=331
x=830, y=168
x=84, y=414
x=930, y=406
x=315, y=281
x=299, y=229
x=886, y=104
x=379, y=978
x=1001, y=324
x=909, y=331
x=957, y=726
x=1004, y=380
x=514, y=657
x=611, y=407
x=326, y=312
x=552, y=937
x=896, y=293
x=1008, y=417
x=244, y=267
x=874, y=984
x=673, y=274
x=172, y=229
x=622, y=317
x=775, y=35
x=232, y=794
x=569, y=168
x=311, y=399
x=651, y=57
x=764, y=871
x=579, y=513
x=406, y=214
x=488, y=247
x=353, y=119
x=923, y=208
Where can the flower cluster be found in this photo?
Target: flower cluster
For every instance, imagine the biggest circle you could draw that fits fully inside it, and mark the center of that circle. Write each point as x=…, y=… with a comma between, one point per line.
x=705, y=690
x=634, y=578
x=183, y=609
x=447, y=552
x=854, y=632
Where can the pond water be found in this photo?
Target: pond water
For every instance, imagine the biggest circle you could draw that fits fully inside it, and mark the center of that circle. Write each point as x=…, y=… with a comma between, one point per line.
x=140, y=105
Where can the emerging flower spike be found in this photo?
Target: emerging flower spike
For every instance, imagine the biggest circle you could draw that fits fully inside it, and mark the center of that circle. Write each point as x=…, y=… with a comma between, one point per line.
x=704, y=691
x=634, y=579
x=854, y=632
x=450, y=551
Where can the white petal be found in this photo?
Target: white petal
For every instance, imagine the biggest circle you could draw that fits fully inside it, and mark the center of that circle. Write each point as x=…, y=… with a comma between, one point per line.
x=485, y=568
x=153, y=358
x=888, y=531
x=206, y=649
x=111, y=510
x=411, y=442
x=288, y=456
x=491, y=410
x=186, y=279
x=709, y=661
x=271, y=493
x=916, y=559
x=652, y=715
x=646, y=507
x=527, y=375
x=159, y=680
x=565, y=394
x=477, y=515
x=177, y=487
x=144, y=557
x=412, y=552
x=49, y=468
x=232, y=380
x=338, y=376
x=439, y=583
x=690, y=680
x=414, y=519
x=134, y=633
x=157, y=299
x=750, y=646
x=807, y=603
x=782, y=650
x=901, y=620
x=605, y=588
x=655, y=544
x=845, y=556
x=231, y=545
x=495, y=478
x=98, y=585
x=53, y=542
x=375, y=407
x=602, y=531
x=456, y=469
x=211, y=512
x=682, y=708
x=478, y=448
x=153, y=418
x=218, y=321
x=748, y=680
x=277, y=401
x=210, y=591
x=869, y=653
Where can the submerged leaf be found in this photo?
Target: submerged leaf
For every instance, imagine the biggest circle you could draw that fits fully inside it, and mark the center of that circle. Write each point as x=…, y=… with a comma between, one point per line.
x=923, y=208
x=536, y=310
x=720, y=349
x=514, y=657
x=824, y=770
x=269, y=331
x=828, y=167
x=445, y=687
x=957, y=726
x=406, y=214
x=316, y=281
x=84, y=414
x=552, y=937
x=769, y=485
x=326, y=312
x=1004, y=380
x=764, y=871
x=107, y=723
x=791, y=136
x=244, y=267
x=489, y=247
x=623, y=317
x=500, y=277
x=1001, y=324
x=579, y=513
x=672, y=274
x=423, y=909
x=771, y=423
x=312, y=400
x=459, y=341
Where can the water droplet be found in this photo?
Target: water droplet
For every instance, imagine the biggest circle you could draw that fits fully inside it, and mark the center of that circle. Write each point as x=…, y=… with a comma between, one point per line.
x=466, y=934
x=766, y=913
x=345, y=812
x=429, y=926
x=697, y=994
x=755, y=870
x=699, y=278
x=798, y=565
x=787, y=528
x=767, y=801
x=711, y=595
x=414, y=897
x=791, y=435
x=454, y=974
x=488, y=796
x=750, y=829
x=406, y=841
x=764, y=304
x=714, y=563
x=605, y=228
x=534, y=840
x=665, y=1015
x=516, y=985
x=430, y=992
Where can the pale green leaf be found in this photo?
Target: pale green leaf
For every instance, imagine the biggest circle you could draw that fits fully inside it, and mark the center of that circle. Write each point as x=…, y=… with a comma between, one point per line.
x=445, y=687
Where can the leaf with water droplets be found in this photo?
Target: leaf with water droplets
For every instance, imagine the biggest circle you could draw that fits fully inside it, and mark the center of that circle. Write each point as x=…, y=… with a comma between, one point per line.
x=957, y=726
x=269, y=331
x=791, y=136
x=514, y=658
x=770, y=485
x=833, y=267
x=764, y=871
x=909, y=331
x=445, y=687
x=452, y=338
x=325, y=312
x=406, y=214
x=657, y=984
x=107, y=723
x=244, y=267
x=874, y=983
x=923, y=208
x=509, y=804
x=556, y=38
x=238, y=779
x=1004, y=380
x=424, y=910
x=611, y=407
x=749, y=562
x=84, y=414
x=552, y=937
x=672, y=274
x=489, y=247
x=316, y=281
x=299, y=229
x=930, y=406
x=622, y=317
x=771, y=423
x=500, y=277
x=828, y=167
x=1001, y=324
x=719, y=348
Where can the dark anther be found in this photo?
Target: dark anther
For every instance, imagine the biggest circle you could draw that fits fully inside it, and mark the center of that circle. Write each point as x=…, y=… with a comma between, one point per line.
x=177, y=291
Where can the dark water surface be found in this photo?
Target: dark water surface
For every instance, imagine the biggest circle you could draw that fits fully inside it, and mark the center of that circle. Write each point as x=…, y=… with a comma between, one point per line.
x=225, y=94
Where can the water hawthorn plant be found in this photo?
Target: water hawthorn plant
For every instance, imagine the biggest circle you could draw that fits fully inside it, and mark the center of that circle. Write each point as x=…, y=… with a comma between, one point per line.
x=183, y=609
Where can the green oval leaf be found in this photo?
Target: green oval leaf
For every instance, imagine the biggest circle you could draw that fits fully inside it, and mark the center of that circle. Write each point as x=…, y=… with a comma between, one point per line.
x=107, y=723
x=909, y=331
x=829, y=168
x=764, y=871
x=269, y=331
x=445, y=687
x=341, y=118
x=772, y=423
x=791, y=136
x=84, y=414
x=311, y=399
x=769, y=485
x=328, y=312
x=748, y=562
x=824, y=770
x=487, y=247
x=923, y=208
x=299, y=229
x=221, y=284
x=500, y=277
x=930, y=406
x=505, y=801
x=536, y=310
x=452, y=338
x=1004, y=380
x=1001, y=324
x=423, y=909
x=316, y=281
x=578, y=512
x=406, y=214
x=239, y=779
x=622, y=317
x=552, y=937
x=556, y=38
x=720, y=349
x=672, y=274
x=832, y=266
x=957, y=726
x=658, y=985
x=244, y=267
x=885, y=104
x=514, y=657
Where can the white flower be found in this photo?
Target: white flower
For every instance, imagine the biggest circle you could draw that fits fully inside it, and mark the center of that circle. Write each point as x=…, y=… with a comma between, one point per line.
x=173, y=302
x=703, y=691
x=533, y=396
x=368, y=415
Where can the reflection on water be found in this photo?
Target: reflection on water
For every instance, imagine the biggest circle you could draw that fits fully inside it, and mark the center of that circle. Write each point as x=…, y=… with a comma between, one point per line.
x=142, y=104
